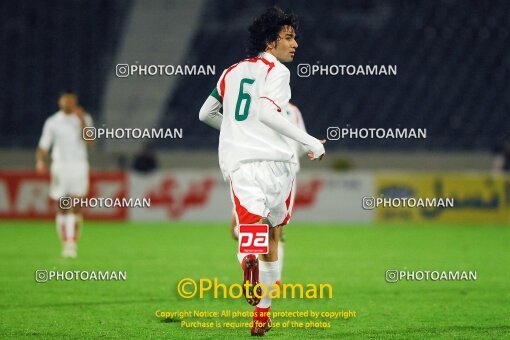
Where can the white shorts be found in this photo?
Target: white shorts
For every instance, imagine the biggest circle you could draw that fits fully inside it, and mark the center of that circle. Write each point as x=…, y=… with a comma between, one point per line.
x=263, y=189
x=69, y=179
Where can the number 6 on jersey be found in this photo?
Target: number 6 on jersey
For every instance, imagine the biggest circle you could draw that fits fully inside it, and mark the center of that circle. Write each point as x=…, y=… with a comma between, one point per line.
x=243, y=96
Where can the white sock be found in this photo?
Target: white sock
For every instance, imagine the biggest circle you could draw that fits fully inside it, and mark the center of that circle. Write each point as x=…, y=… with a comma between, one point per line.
x=70, y=224
x=280, y=260
x=59, y=223
x=268, y=273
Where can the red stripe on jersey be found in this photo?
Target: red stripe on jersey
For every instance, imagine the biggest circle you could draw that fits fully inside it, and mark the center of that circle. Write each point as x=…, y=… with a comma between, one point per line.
x=250, y=60
x=265, y=61
x=279, y=109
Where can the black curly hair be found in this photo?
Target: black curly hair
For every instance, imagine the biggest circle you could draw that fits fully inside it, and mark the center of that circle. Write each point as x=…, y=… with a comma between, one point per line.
x=265, y=29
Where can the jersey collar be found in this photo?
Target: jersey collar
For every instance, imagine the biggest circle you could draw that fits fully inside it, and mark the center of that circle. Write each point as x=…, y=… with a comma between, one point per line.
x=269, y=57
x=63, y=114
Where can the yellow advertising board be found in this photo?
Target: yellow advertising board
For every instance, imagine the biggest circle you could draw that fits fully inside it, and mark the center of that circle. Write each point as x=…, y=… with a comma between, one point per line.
x=473, y=197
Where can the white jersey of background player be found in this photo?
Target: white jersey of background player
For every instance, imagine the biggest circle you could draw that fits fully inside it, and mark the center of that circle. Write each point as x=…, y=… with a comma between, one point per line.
x=62, y=133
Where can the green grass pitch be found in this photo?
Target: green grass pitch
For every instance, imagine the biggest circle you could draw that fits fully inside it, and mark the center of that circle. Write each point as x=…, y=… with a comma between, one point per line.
x=353, y=259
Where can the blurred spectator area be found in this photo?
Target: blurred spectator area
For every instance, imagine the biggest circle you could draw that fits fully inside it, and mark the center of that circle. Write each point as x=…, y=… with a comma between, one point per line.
x=49, y=46
x=452, y=56
x=453, y=70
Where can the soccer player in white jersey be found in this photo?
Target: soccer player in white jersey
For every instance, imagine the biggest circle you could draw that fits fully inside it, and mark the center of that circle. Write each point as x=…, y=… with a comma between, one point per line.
x=254, y=153
x=295, y=117
x=62, y=132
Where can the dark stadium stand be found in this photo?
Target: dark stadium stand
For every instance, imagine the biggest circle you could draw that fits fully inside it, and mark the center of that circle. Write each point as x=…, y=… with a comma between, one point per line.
x=75, y=42
x=452, y=61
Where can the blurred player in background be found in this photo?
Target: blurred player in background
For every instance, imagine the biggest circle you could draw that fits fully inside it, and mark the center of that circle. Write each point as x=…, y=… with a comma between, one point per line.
x=63, y=134
x=295, y=117
x=254, y=154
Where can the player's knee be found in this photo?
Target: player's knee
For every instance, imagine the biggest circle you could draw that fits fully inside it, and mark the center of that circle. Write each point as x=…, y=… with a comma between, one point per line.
x=265, y=220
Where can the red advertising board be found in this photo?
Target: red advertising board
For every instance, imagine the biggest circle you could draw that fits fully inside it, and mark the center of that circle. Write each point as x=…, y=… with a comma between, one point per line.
x=24, y=195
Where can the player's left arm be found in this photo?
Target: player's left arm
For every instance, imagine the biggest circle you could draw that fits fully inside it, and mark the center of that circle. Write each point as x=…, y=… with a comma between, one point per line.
x=272, y=98
x=300, y=124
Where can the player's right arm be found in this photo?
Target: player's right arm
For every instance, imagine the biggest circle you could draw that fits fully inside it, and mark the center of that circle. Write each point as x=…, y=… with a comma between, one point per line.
x=210, y=110
x=42, y=150
x=270, y=115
